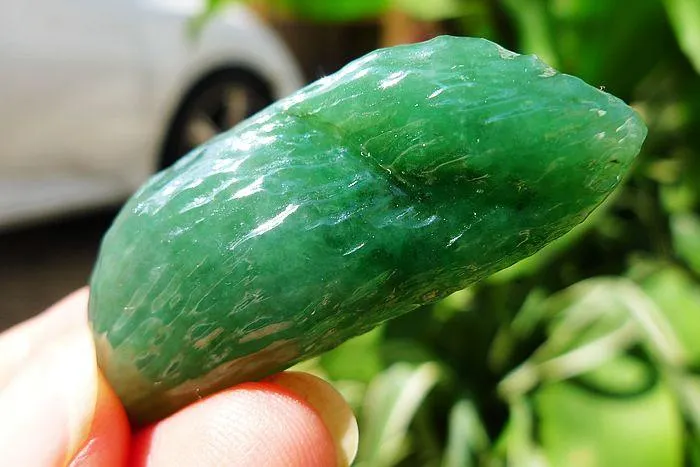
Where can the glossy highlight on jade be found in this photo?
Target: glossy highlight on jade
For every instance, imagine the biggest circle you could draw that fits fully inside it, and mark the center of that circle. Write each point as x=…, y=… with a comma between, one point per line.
x=411, y=173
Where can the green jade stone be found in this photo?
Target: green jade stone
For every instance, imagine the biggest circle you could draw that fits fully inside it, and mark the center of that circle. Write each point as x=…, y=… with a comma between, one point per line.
x=411, y=173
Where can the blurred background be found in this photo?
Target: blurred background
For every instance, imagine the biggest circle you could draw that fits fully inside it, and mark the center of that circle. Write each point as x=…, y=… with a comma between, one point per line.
x=586, y=354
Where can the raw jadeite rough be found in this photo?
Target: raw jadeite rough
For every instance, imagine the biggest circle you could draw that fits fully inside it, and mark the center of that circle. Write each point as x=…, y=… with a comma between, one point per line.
x=411, y=173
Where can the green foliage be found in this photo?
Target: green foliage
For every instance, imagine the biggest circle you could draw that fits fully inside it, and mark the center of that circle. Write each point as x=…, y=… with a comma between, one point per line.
x=315, y=10
x=432, y=11
x=588, y=353
x=337, y=10
x=685, y=19
x=391, y=401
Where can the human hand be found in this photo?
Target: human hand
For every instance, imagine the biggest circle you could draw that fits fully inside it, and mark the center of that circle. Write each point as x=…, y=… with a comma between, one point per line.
x=56, y=408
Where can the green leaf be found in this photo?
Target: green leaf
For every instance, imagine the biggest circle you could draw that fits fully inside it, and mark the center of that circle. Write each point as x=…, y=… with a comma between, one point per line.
x=678, y=198
x=534, y=28
x=434, y=10
x=579, y=428
x=591, y=323
x=210, y=9
x=685, y=19
x=689, y=389
x=694, y=449
x=678, y=296
x=313, y=10
x=466, y=437
x=391, y=402
x=213, y=5
x=685, y=229
x=610, y=43
x=519, y=437
x=343, y=363
x=337, y=10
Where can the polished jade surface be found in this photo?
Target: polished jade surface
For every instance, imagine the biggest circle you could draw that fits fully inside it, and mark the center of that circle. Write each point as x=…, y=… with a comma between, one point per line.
x=409, y=174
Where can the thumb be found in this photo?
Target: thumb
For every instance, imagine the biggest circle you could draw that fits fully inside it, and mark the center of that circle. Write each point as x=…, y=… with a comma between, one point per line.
x=58, y=410
x=291, y=419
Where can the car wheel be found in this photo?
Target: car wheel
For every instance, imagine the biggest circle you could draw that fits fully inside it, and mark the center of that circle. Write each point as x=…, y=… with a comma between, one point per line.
x=214, y=105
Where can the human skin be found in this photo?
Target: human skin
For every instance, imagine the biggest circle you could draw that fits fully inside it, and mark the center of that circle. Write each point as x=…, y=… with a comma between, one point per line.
x=58, y=409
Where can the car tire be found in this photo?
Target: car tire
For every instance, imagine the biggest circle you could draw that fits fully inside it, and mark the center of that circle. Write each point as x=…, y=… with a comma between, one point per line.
x=215, y=104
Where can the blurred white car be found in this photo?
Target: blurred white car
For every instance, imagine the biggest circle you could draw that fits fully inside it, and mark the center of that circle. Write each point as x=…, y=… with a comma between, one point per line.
x=96, y=95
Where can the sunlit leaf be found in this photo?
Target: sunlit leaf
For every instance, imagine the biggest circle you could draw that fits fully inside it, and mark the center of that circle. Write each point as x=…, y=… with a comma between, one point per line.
x=688, y=390
x=391, y=402
x=678, y=296
x=686, y=238
x=678, y=198
x=521, y=448
x=357, y=359
x=455, y=303
x=579, y=428
x=467, y=438
x=337, y=10
x=534, y=27
x=685, y=18
x=434, y=10
x=209, y=10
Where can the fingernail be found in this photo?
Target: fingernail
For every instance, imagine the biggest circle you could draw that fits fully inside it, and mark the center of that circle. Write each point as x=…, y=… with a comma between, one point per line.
x=48, y=407
x=331, y=407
